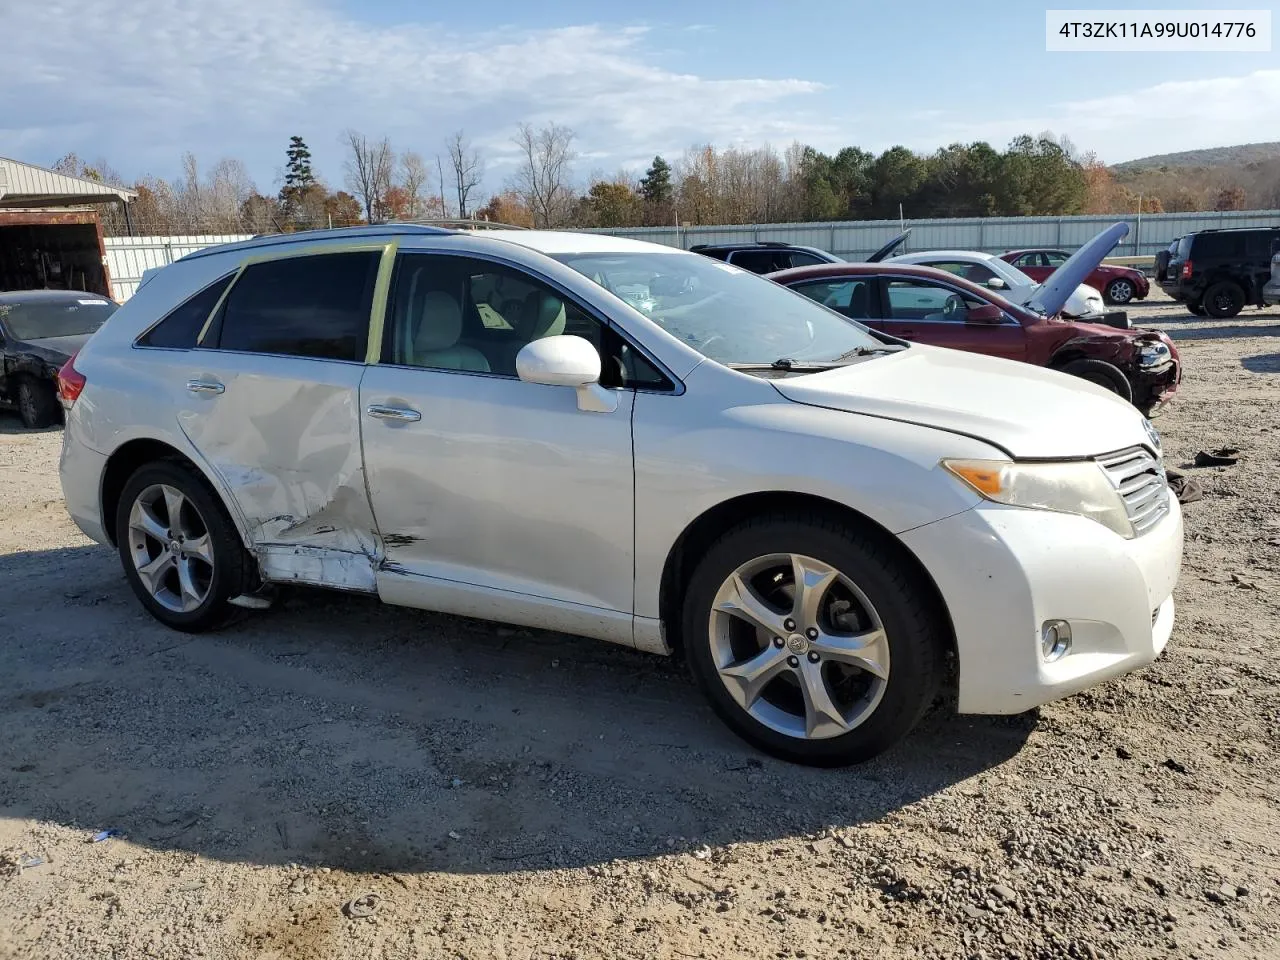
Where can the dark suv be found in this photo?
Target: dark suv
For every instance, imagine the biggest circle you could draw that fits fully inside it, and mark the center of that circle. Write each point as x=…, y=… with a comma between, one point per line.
x=766, y=256
x=1217, y=272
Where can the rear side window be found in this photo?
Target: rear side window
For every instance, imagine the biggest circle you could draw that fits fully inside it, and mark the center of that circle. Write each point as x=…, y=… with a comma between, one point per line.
x=1219, y=245
x=311, y=306
x=181, y=327
x=760, y=261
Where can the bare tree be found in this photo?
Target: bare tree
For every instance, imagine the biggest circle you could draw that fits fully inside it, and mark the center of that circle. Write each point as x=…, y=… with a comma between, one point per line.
x=414, y=180
x=543, y=180
x=369, y=168
x=468, y=169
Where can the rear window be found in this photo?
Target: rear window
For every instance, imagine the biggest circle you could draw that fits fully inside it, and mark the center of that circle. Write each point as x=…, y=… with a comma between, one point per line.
x=1184, y=247
x=310, y=306
x=59, y=318
x=180, y=328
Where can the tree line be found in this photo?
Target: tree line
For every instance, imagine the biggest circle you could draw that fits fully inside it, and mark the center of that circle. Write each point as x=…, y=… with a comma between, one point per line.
x=1032, y=176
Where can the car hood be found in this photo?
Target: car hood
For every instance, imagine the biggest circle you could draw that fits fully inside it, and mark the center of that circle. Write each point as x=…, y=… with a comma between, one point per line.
x=58, y=349
x=1062, y=283
x=1027, y=411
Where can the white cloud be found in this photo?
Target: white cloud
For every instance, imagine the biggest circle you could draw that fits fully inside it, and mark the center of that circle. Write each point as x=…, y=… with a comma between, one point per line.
x=139, y=82
x=1164, y=118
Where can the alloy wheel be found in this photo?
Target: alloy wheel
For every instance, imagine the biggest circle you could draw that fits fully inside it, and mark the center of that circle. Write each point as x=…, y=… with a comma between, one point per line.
x=1121, y=291
x=798, y=646
x=170, y=547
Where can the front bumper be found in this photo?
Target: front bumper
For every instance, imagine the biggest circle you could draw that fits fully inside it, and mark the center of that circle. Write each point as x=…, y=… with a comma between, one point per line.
x=1005, y=571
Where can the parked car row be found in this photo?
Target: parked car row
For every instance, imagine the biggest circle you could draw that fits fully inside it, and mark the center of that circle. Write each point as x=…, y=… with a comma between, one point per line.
x=639, y=444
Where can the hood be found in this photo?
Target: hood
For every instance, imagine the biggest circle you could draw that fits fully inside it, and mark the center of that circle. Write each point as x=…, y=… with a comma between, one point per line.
x=57, y=349
x=889, y=247
x=1059, y=285
x=1030, y=412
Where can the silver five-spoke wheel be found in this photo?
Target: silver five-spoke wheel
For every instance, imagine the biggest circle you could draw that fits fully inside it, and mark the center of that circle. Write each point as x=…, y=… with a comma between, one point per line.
x=170, y=547
x=798, y=646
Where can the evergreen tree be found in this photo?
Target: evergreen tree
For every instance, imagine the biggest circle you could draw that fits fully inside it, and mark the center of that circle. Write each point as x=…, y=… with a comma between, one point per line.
x=298, y=174
x=656, y=191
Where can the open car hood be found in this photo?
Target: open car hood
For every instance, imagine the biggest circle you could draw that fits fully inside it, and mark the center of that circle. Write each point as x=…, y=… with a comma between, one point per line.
x=889, y=247
x=1027, y=411
x=1059, y=285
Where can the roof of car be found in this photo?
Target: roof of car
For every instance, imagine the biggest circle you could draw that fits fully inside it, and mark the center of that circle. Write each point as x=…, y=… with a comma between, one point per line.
x=1018, y=253
x=544, y=241
x=48, y=296
x=955, y=254
x=748, y=245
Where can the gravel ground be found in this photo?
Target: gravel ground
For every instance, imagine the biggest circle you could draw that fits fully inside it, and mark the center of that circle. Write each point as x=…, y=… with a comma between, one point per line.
x=336, y=779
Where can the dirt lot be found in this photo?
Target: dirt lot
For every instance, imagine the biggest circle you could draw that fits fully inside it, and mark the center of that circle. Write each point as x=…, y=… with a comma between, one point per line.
x=506, y=794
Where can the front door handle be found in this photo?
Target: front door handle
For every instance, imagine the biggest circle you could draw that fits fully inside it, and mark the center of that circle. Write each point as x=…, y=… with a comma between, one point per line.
x=380, y=411
x=205, y=386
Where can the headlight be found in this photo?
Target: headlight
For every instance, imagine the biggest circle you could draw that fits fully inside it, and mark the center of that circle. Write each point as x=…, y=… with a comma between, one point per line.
x=1077, y=486
x=1152, y=354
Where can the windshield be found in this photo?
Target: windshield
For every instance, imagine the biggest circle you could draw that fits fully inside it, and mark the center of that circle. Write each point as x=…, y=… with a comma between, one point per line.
x=1012, y=275
x=63, y=318
x=727, y=314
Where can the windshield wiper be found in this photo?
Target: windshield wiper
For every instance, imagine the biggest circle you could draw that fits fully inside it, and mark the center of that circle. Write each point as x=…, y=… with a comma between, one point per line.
x=871, y=351
x=789, y=365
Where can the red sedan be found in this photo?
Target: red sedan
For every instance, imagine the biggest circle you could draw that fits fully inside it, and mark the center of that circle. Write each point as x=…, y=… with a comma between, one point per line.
x=932, y=306
x=1116, y=284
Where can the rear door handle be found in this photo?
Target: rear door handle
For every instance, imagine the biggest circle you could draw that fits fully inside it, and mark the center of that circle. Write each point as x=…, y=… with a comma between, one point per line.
x=205, y=386
x=380, y=411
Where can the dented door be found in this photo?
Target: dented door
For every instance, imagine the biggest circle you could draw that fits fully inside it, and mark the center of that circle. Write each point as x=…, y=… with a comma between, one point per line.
x=283, y=434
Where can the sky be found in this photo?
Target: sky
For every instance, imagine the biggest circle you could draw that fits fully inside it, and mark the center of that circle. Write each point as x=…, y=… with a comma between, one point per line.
x=138, y=82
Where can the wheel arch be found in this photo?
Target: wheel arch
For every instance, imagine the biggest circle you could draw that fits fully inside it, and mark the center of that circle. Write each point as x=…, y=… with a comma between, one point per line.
x=125, y=461
x=704, y=530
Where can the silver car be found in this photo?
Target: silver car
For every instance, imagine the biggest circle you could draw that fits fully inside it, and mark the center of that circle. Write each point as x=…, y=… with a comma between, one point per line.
x=630, y=442
x=1271, y=291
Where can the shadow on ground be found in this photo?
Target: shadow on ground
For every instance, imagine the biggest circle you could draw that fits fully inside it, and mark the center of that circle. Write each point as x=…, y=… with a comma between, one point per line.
x=338, y=732
x=1262, y=363
x=10, y=422
x=1221, y=332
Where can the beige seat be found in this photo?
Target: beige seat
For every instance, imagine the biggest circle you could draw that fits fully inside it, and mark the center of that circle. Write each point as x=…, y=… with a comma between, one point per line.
x=540, y=315
x=437, y=329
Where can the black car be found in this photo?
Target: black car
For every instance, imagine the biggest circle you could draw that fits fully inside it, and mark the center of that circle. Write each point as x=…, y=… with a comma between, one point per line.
x=765, y=256
x=39, y=332
x=1217, y=272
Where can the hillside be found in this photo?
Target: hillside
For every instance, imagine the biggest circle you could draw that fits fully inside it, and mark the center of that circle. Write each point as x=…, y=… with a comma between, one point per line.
x=1237, y=156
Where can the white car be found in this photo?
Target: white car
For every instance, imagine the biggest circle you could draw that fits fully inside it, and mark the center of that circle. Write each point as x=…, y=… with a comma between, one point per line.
x=986, y=269
x=634, y=443
x=1271, y=289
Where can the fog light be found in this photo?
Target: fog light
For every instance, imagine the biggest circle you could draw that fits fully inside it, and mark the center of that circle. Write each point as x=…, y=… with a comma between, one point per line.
x=1055, y=640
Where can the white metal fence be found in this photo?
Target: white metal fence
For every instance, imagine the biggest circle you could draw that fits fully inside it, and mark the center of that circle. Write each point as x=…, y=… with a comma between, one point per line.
x=128, y=257
x=853, y=239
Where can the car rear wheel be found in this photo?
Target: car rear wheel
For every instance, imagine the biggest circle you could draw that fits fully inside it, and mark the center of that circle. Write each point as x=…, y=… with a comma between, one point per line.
x=1119, y=291
x=37, y=403
x=180, y=551
x=1224, y=300
x=1103, y=374
x=811, y=640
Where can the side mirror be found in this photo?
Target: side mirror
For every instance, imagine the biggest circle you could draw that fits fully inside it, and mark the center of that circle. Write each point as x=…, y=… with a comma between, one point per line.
x=987, y=313
x=997, y=283
x=567, y=361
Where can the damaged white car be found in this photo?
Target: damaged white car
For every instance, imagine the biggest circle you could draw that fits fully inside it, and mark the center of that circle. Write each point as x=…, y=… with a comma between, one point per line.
x=633, y=443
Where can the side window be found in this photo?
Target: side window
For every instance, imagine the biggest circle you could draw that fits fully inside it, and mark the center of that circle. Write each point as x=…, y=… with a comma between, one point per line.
x=1055, y=260
x=921, y=300
x=464, y=314
x=849, y=297
x=757, y=261
x=1026, y=260
x=800, y=259
x=978, y=273
x=309, y=306
x=181, y=326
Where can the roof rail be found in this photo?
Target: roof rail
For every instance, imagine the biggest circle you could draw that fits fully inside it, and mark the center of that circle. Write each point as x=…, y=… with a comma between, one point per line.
x=699, y=246
x=337, y=233
x=772, y=243
x=464, y=222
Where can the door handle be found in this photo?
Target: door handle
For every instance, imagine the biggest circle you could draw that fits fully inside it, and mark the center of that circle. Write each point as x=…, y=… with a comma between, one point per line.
x=380, y=411
x=205, y=386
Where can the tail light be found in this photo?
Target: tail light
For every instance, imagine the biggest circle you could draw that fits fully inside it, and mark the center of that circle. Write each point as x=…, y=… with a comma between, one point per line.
x=70, y=383
x=1186, y=269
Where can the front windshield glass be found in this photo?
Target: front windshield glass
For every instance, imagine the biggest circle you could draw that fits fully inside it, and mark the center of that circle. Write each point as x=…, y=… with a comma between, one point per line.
x=1011, y=274
x=64, y=318
x=723, y=312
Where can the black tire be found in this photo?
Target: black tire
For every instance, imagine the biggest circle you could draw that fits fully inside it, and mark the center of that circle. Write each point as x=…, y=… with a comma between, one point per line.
x=916, y=631
x=37, y=403
x=1103, y=374
x=233, y=570
x=1119, y=291
x=1224, y=300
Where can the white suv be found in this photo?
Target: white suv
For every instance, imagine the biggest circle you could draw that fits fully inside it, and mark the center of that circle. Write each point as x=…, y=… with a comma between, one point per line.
x=635, y=443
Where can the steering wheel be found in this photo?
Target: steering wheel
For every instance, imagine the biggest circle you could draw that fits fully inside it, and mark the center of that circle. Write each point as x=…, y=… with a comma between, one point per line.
x=954, y=308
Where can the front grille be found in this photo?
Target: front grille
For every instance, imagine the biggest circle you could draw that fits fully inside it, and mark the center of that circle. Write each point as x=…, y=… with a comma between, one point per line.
x=1140, y=478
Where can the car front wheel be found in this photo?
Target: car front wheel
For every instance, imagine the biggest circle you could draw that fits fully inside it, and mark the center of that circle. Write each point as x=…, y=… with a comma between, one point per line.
x=812, y=640
x=180, y=551
x=1119, y=291
x=1103, y=374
